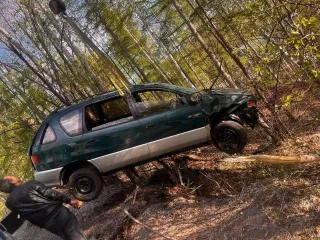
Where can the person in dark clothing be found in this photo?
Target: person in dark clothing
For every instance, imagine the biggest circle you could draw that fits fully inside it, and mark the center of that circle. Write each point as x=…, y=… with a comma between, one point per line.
x=42, y=207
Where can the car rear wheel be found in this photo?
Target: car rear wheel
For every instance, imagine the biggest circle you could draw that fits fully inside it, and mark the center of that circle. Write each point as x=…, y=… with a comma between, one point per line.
x=229, y=137
x=85, y=184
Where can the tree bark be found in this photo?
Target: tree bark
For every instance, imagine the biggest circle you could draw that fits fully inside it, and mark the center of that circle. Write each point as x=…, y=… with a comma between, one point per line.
x=220, y=38
x=18, y=49
x=110, y=66
x=205, y=47
x=150, y=58
x=165, y=48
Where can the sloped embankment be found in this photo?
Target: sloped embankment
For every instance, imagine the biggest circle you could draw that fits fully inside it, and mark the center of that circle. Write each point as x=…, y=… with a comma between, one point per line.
x=216, y=201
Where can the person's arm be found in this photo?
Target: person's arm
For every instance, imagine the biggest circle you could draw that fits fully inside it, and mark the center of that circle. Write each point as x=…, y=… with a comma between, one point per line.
x=51, y=194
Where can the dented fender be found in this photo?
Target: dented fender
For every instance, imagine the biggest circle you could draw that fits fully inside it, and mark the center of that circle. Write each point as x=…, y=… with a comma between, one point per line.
x=233, y=106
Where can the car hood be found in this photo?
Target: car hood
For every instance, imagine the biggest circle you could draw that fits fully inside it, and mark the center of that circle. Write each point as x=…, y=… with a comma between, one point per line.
x=230, y=91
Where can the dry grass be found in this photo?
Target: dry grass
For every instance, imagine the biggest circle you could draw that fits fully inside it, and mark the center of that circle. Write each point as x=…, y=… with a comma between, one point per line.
x=217, y=201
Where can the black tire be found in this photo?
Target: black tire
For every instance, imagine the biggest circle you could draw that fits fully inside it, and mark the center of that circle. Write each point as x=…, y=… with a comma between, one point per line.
x=85, y=184
x=229, y=137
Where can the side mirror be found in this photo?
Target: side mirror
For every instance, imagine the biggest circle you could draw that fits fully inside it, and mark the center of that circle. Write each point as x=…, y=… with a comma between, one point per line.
x=183, y=100
x=196, y=97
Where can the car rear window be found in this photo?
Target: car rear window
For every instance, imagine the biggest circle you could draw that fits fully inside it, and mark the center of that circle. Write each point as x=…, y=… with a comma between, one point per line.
x=72, y=122
x=49, y=135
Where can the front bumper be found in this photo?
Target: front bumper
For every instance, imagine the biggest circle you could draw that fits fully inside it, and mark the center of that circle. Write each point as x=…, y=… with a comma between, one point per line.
x=249, y=116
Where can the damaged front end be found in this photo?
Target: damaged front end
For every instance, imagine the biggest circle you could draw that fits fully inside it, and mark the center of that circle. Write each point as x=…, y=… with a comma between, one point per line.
x=230, y=104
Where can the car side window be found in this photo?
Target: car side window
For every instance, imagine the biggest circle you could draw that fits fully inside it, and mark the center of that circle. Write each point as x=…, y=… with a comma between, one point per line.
x=49, y=135
x=107, y=113
x=72, y=122
x=154, y=102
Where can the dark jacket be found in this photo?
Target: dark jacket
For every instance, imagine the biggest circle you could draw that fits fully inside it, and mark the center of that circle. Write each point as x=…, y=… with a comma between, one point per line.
x=35, y=202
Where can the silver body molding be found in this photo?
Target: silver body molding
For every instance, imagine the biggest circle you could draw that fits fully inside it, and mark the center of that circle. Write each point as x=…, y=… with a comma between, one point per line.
x=136, y=154
x=179, y=141
x=120, y=159
x=49, y=178
x=150, y=150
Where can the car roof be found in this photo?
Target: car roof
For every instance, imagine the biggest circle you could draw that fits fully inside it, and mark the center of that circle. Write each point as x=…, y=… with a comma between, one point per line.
x=134, y=88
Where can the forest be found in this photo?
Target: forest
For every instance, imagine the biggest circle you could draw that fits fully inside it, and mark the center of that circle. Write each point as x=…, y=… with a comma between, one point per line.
x=268, y=47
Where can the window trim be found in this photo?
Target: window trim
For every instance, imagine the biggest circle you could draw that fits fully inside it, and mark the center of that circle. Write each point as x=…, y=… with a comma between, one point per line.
x=139, y=116
x=133, y=113
x=44, y=133
x=80, y=109
x=38, y=133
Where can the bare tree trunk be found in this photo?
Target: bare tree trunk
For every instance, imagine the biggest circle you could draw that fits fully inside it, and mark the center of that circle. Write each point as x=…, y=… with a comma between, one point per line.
x=125, y=51
x=40, y=32
x=15, y=47
x=17, y=93
x=77, y=52
x=220, y=38
x=188, y=65
x=151, y=59
x=108, y=64
x=274, y=159
x=205, y=47
x=165, y=48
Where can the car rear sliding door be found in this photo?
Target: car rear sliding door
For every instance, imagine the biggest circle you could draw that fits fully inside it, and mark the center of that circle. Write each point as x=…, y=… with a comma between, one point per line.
x=113, y=137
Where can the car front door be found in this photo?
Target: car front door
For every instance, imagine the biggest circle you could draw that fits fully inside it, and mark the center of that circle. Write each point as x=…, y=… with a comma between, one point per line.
x=169, y=121
x=113, y=137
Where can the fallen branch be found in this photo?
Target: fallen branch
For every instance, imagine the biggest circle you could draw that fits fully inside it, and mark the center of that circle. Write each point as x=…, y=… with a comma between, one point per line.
x=146, y=226
x=135, y=194
x=273, y=159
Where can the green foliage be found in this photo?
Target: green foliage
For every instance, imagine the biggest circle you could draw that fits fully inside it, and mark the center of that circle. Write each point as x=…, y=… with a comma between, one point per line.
x=295, y=97
x=277, y=43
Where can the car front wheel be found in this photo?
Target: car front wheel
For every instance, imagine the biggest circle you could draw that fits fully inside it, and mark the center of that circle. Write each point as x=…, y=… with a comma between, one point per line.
x=85, y=184
x=229, y=137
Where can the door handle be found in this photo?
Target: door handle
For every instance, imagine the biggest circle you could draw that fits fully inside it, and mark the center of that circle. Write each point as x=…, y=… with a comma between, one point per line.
x=150, y=125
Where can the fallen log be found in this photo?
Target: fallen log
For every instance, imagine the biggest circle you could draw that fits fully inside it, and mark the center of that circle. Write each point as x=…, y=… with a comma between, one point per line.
x=273, y=159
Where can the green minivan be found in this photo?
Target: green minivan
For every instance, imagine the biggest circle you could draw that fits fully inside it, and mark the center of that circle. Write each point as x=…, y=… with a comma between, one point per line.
x=75, y=145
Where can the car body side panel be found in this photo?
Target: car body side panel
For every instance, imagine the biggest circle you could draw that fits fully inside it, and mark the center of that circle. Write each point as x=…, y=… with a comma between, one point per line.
x=172, y=122
x=140, y=139
x=179, y=141
x=113, y=139
x=135, y=154
x=60, y=152
x=90, y=145
x=121, y=159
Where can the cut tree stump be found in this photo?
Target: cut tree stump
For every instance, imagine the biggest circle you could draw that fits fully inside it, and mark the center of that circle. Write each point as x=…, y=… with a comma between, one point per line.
x=273, y=159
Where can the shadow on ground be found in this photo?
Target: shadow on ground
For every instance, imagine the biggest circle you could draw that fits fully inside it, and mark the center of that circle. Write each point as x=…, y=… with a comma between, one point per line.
x=210, y=201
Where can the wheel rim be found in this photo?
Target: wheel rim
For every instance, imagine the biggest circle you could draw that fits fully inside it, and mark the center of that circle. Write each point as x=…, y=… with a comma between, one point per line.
x=228, y=140
x=84, y=185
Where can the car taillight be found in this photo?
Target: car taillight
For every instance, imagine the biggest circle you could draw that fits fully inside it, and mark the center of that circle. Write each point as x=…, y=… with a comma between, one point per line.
x=35, y=160
x=251, y=103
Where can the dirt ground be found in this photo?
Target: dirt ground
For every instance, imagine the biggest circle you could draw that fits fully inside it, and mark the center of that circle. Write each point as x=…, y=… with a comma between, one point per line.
x=214, y=201
x=205, y=199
